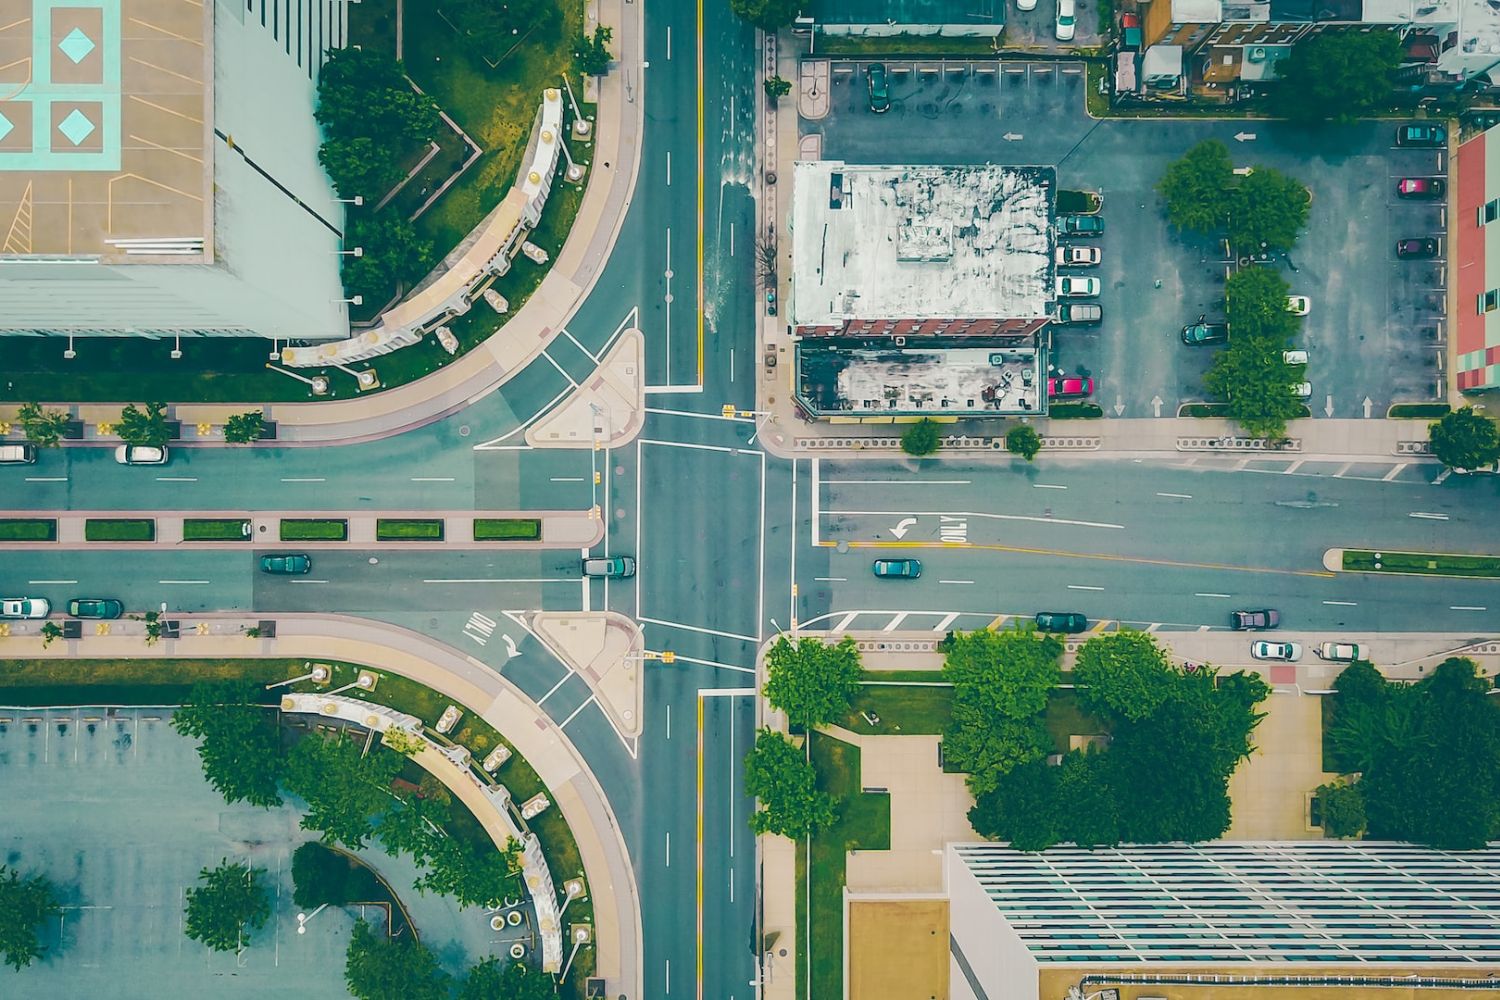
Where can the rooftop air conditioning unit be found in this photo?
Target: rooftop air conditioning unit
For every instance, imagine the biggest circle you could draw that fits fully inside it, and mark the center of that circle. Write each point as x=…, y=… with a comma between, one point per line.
x=1257, y=54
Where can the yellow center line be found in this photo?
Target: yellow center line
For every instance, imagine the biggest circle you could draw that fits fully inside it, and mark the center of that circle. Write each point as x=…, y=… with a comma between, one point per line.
x=1101, y=556
x=700, y=194
x=700, y=847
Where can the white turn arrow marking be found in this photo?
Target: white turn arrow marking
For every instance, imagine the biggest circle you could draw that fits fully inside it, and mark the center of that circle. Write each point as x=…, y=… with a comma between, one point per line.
x=1244, y=137
x=1156, y=402
x=510, y=646
x=1368, y=403
x=903, y=526
x=1119, y=406
x=1013, y=137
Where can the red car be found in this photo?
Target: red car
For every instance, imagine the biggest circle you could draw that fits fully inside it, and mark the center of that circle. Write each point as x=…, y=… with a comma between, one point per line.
x=1069, y=388
x=1421, y=187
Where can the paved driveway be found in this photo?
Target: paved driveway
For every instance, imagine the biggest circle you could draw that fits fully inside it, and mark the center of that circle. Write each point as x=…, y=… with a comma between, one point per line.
x=1372, y=329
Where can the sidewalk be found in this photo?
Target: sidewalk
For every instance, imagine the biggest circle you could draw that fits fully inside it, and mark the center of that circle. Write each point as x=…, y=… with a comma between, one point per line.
x=577, y=793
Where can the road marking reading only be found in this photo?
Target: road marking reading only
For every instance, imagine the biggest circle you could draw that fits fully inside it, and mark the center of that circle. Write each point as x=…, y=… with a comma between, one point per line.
x=481, y=627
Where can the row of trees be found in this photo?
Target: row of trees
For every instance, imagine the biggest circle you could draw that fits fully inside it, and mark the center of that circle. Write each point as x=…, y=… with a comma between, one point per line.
x=1251, y=373
x=925, y=438
x=147, y=427
x=1427, y=757
x=377, y=967
x=27, y=902
x=1262, y=211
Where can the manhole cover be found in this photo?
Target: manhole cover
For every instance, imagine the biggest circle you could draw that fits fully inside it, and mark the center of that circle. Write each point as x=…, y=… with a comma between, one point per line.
x=463, y=430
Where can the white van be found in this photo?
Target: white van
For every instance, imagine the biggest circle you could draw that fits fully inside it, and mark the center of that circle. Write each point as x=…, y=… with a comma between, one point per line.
x=17, y=454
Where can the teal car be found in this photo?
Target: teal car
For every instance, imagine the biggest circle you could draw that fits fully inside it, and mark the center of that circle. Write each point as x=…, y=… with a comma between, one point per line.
x=897, y=569
x=95, y=607
x=880, y=89
x=286, y=564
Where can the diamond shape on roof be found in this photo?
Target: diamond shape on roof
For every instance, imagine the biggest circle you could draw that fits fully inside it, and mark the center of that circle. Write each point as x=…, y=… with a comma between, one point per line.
x=76, y=45
x=5, y=126
x=76, y=126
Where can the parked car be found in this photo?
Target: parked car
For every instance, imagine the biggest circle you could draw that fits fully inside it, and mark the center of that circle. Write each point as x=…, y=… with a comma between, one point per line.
x=1069, y=388
x=25, y=607
x=897, y=569
x=1075, y=313
x=1422, y=134
x=1417, y=248
x=139, y=454
x=1298, y=305
x=1070, y=287
x=95, y=607
x=287, y=564
x=1080, y=225
x=1302, y=390
x=1294, y=357
x=1422, y=188
x=1070, y=256
x=1025, y=4
x=1286, y=652
x=613, y=568
x=1254, y=621
x=880, y=88
x=1061, y=621
x=1067, y=21
x=1339, y=652
x=17, y=454
x=1201, y=333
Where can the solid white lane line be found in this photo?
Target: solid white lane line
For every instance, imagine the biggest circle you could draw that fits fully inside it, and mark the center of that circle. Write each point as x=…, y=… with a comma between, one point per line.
x=176, y=479
x=553, y=689
x=499, y=579
x=899, y=482
x=307, y=581
x=695, y=628
x=1046, y=486
x=984, y=514
x=1342, y=604
x=560, y=369
x=46, y=479
x=1465, y=607
x=567, y=479
x=669, y=849
x=181, y=581
x=432, y=479
x=585, y=350
x=669, y=722
x=700, y=447
x=308, y=480
x=41, y=582
x=1211, y=595
x=587, y=702
x=831, y=579
x=669, y=153
x=1079, y=586
x=715, y=664
x=956, y=581
x=1427, y=516
x=1177, y=496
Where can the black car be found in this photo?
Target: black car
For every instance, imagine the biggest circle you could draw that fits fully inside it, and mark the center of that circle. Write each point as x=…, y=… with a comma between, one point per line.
x=880, y=89
x=1205, y=333
x=1417, y=248
x=95, y=607
x=1422, y=134
x=1254, y=621
x=1061, y=621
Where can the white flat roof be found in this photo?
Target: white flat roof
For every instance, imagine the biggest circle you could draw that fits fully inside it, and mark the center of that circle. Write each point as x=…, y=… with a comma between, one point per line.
x=882, y=242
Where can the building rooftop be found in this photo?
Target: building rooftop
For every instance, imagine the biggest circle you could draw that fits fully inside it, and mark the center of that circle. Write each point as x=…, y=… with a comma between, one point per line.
x=951, y=376
x=1197, y=11
x=1415, y=11
x=106, y=130
x=879, y=242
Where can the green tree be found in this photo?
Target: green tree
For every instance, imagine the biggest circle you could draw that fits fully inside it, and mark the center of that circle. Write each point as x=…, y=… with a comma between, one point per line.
x=26, y=903
x=1090, y=812
x=43, y=428
x=1343, y=806
x=986, y=747
x=392, y=969
x=1197, y=188
x=1342, y=75
x=496, y=979
x=1125, y=673
x=1464, y=440
x=1023, y=808
x=146, y=428
x=409, y=826
x=323, y=876
x=342, y=786
x=473, y=874
x=1255, y=304
x=922, y=438
x=1001, y=681
x=777, y=88
x=229, y=903
x=785, y=786
x=240, y=740
x=363, y=92
x=393, y=253
x=51, y=632
x=591, y=54
x=1168, y=773
x=768, y=15
x=811, y=681
x=1257, y=384
x=242, y=428
x=1023, y=441
x=1266, y=211
x=359, y=166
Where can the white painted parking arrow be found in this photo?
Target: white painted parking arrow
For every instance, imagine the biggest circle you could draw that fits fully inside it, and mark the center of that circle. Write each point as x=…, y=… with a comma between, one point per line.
x=1328, y=406
x=903, y=526
x=1368, y=403
x=1156, y=402
x=1013, y=136
x=510, y=646
x=1244, y=137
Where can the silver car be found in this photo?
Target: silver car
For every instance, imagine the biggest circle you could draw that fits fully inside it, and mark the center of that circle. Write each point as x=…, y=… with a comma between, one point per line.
x=24, y=607
x=139, y=454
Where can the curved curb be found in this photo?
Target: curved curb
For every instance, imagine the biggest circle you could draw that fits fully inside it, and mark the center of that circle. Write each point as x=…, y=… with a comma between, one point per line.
x=1333, y=560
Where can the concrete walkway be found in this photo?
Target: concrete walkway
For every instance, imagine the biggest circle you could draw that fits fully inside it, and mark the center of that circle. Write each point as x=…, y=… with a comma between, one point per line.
x=466, y=681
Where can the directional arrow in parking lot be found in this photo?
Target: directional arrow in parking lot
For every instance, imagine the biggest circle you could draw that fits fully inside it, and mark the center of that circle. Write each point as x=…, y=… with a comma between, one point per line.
x=1244, y=137
x=1368, y=404
x=903, y=526
x=1156, y=402
x=1013, y=136
x=1119, y=406
x=1328, y=407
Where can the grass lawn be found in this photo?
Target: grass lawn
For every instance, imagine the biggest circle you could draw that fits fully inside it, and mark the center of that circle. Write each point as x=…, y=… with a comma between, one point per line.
x=314, y=530
x=801, y=967
x=904, y=709
x=1417, y=411
x=501, y=529
x=99, y=529
x=1422, y=563
x=864, y=822
x=28, y=529
x=905, y=45
x=203, y=529
x=393, y=529
x=127, y=682
x=914, y=676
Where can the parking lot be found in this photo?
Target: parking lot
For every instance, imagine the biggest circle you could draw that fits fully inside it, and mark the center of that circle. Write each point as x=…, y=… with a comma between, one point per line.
x=1374, y=328
x=112, y=806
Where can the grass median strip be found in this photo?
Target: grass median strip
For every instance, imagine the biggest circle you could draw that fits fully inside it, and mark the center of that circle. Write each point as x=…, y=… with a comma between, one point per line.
x=395, y=529
x=202, y=529
x=1421, y=563
x=29, y=529
x=101, y=529
x=507, y=529
x=314, y=530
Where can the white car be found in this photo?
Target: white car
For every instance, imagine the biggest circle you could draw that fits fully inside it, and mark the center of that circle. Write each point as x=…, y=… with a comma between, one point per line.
x=137, y=454
x=1078, y=256
x=1066, y=22
x=1302, y=390
x=1286, y=652
x=24, y=607
x=1298, y=305
x=1068, y=287
x=1294, y=357
x=1025, y=4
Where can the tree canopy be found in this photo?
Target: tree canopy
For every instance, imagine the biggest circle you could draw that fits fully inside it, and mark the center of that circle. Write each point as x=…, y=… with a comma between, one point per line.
x=1267, y=210
x=783, y=781
x=923, y=437
x=811, y=681
x=240, y=742
x=1195, y=187
x=391, y=252
x=1255, y=303
x=230, y=902
x=371, y=116
x=377, y=968
x=324, y=876
x=1257, y=385
x=1339, y=75
x=500, y=979
x=768, y=15
x=145, y=428
x=342, y=785
x=1023, y=441
x=242, y=428
x=1343, y=806
x=1464, y=439
x=26, y=903
x=1124, y=672
x=43, y=428
x=591, y=53
x=1001, y=681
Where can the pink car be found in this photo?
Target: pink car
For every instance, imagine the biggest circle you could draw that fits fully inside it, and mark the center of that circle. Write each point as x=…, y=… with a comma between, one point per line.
x=1069, y=388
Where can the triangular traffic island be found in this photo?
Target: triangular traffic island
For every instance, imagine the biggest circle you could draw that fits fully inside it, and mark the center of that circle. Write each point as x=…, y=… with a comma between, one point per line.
x=605, y=649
